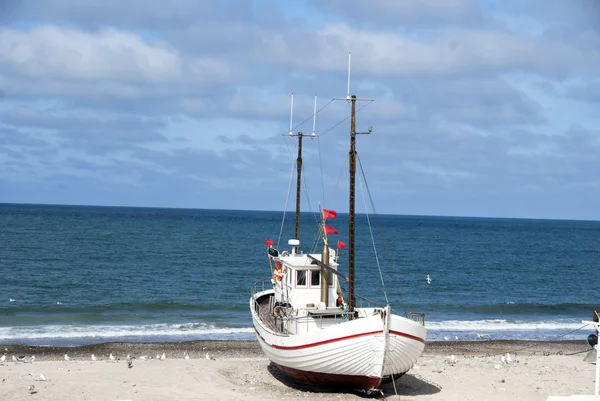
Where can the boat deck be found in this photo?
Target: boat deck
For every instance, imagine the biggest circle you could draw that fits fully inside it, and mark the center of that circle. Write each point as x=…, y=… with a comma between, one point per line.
x=267, y=317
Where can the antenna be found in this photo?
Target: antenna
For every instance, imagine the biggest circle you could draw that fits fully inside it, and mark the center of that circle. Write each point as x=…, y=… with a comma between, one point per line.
x=291, y=115
x=349, y=62
x=314, y=118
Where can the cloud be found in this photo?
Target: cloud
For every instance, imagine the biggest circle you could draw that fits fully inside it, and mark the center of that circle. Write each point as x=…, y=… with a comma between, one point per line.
x=405, y=12
x=53, y=61
x=478, y=105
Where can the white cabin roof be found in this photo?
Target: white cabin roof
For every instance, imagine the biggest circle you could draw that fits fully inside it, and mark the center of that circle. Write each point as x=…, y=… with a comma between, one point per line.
x=303, y=261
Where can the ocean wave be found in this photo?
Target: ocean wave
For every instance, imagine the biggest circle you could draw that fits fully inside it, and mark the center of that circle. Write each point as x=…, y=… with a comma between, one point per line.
x=66, y=307
x=503, y=325
x=115, y=332
x=509, y=307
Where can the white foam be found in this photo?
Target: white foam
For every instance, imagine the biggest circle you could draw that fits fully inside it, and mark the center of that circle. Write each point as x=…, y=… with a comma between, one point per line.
x=115, y=332
x=502, y=325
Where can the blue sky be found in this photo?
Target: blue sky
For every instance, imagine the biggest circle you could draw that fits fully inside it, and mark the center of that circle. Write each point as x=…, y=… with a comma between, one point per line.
x=482, y=108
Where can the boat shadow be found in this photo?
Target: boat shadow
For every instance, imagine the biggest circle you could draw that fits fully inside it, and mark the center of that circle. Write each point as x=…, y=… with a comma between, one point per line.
x=407, y=385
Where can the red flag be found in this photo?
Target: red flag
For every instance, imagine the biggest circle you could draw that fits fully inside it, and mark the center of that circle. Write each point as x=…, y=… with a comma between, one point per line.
x=341, y=245
x=329, y=214
x=269, y=243
x=330, y=230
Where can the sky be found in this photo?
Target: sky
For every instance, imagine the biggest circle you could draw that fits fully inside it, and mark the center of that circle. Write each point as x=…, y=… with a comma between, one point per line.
x=481, y=108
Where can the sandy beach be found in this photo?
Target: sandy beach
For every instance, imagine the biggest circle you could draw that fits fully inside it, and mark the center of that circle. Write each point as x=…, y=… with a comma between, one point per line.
x=239, y=370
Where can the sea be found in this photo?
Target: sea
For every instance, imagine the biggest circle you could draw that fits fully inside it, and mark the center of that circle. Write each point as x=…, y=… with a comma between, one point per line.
x=76, y=275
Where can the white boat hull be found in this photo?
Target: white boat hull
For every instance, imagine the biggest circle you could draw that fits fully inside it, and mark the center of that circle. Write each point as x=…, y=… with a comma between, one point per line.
x=358, y=354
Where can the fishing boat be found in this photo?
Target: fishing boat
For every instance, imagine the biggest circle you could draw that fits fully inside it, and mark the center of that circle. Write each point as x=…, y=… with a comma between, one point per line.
x=313, y=330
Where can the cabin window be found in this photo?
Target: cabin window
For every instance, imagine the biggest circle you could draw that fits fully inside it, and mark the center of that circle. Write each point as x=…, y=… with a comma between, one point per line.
x=315, y=278
x=301, y=278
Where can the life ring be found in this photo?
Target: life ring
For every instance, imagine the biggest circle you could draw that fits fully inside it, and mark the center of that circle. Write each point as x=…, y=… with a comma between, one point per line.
x=278, y=271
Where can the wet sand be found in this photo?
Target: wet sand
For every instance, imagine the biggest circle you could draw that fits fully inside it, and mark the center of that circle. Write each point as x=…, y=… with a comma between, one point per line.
x=241, y=371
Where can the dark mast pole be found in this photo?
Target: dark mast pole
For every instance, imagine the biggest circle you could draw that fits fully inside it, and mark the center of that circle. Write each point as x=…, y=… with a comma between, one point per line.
x=298, y=187
x=351, y=301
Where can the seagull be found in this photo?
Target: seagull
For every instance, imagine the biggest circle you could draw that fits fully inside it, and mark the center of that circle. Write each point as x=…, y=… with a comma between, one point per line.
x=212, y=358
x=31, y=389
x=452, y=360
x=145, y=357
x=29, y=360
x=186, y=355
x=3, y=359
x=129, y=362
x=94, y=357
x=14, y=358
x=446, y=338
x=67, y=357
x=59, y=303
x=111, y=357
x=428, y=279
x=163, y=357
x=481, y=335
x=11, y=300
x=503, y=359
x=38, y=376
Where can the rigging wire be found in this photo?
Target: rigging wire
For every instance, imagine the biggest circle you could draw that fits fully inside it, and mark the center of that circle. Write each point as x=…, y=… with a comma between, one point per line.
x=321, y=169
x=320, y=163
x=331, y=128
x=364, y=178
x=292, y=169
x=287, y=199
x=337, y=184
x=386, y=247
x=308, y=118
x=315, y=214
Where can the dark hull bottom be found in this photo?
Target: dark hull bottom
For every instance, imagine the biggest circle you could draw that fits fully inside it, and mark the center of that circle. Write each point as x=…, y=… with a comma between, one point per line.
x=363, y=383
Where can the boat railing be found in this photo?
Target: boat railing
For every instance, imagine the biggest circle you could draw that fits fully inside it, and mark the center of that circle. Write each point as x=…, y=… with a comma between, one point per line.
x=262, y=285
x=417, y=317
x=362, y=302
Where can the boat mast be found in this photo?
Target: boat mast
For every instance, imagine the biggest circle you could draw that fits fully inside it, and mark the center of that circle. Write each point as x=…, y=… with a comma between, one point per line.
x=351, y=300
x=298, y=172
x=298, y=185
x=351, y=217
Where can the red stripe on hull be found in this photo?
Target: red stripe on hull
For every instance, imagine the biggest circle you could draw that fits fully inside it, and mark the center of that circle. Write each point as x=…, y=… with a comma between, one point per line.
x=407, y=336
x=325, y=341
x=363, y=383
x=338, y=339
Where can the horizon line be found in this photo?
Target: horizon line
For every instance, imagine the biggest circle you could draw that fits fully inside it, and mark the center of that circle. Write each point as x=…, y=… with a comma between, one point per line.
x=281, y=211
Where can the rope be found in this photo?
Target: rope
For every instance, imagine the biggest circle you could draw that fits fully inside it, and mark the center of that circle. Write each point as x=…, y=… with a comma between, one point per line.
x=536, y=344
x=371, y=232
